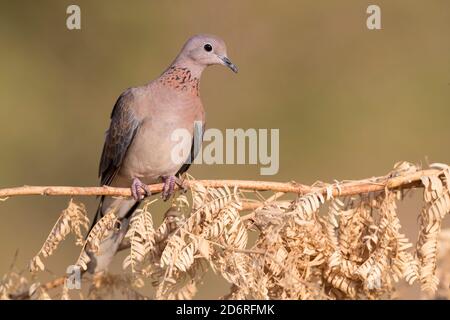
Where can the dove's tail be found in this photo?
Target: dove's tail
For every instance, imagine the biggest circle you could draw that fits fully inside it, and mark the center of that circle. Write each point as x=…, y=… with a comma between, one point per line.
x=98, y=215
x=123, y=208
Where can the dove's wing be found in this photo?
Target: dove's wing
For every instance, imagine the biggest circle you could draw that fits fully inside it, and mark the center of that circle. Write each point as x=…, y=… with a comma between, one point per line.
x=120, y=135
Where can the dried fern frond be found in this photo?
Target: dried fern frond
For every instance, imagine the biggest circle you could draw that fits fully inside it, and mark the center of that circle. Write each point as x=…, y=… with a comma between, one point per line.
x=308, y=205
x=141, y=235
x=437, y=205
x=443, y=268
x=96, y=236
x=181, y=285
x=107, y=286
x=214, y=224
x=11, y=284
x=181, y=245
x=72, y=219
x=38, y=292
x=340, y=282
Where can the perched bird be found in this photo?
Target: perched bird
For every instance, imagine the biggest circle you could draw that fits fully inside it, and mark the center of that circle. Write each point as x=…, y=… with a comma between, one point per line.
x=138, y=145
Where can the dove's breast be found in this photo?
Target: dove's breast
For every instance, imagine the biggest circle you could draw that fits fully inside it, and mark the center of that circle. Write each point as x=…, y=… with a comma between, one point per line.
x=164, y=139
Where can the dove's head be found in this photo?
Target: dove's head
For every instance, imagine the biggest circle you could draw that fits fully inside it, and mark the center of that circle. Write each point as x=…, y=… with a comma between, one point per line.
x=205, y=50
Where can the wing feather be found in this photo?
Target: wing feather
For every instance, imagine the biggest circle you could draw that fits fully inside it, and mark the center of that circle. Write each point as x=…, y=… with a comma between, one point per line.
x=119, y=137
x=197, y=140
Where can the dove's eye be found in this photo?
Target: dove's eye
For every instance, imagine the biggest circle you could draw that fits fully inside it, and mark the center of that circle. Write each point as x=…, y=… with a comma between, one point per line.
x=207, y=47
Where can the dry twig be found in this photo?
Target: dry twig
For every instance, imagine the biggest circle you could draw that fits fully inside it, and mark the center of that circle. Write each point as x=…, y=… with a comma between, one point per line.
x=343, y=189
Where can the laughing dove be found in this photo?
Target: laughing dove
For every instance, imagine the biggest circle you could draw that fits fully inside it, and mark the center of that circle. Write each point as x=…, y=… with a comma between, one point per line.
x=138, y=145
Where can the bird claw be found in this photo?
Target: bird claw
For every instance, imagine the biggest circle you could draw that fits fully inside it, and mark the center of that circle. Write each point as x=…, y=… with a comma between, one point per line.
x=169, y=186
x=139, y=190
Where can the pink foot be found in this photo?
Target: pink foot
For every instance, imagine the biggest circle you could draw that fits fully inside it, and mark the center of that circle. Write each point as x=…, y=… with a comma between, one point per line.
x=139, y=190
x=169, y=186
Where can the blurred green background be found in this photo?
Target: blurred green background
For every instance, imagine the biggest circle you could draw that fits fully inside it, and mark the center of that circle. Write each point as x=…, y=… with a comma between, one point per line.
x=349, y=102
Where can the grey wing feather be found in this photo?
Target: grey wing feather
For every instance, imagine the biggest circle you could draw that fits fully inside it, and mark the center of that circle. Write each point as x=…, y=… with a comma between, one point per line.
x=119, y=137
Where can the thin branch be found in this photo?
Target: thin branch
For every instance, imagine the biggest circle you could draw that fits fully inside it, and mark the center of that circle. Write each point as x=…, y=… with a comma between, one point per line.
x=407, y=181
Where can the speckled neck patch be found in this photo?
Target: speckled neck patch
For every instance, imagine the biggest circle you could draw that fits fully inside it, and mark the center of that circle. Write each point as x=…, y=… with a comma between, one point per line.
x=180, y=79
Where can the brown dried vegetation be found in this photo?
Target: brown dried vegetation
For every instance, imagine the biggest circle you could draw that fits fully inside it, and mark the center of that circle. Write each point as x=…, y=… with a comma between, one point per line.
x=316, y=246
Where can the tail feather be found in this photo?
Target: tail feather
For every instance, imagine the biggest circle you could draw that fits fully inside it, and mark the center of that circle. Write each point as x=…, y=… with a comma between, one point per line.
x=98, y=215
x=101, y=259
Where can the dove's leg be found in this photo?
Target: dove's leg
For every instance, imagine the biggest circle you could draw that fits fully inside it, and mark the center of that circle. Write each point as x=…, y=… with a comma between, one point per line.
x=139, y=190
x=169, y=186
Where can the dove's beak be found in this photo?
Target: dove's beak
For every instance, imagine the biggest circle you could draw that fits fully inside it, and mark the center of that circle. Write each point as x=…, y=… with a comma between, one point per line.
x=229, y=64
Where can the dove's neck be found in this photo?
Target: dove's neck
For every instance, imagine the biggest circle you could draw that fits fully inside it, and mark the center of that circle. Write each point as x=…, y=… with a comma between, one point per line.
x=183, y=77
x=184, y=62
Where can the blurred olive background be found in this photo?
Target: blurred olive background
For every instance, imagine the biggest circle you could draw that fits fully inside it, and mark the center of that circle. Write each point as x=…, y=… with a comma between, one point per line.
x=349, y=102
